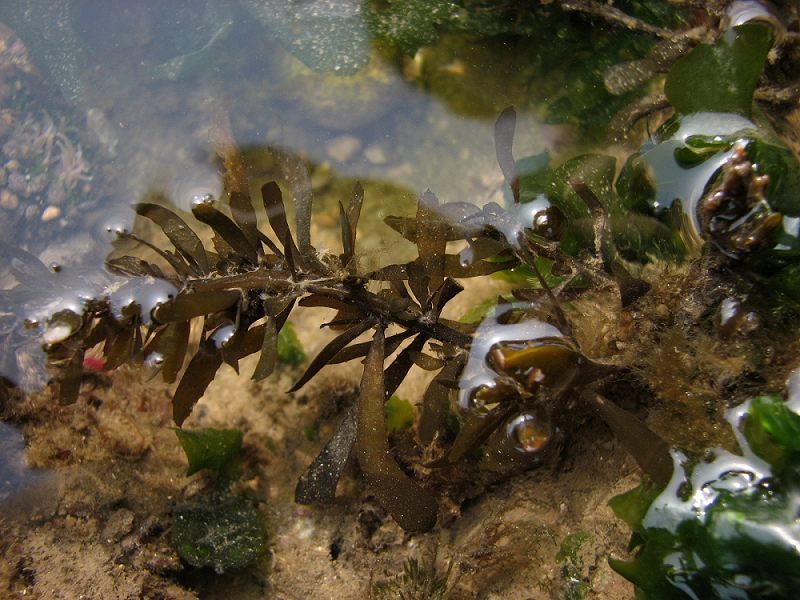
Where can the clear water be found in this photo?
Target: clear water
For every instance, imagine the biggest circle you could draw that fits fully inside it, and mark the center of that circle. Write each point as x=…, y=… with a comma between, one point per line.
x=136, y=99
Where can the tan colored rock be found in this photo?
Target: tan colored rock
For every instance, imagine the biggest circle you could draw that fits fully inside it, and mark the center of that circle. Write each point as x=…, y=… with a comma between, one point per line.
x=50, y=213
x=8, y=200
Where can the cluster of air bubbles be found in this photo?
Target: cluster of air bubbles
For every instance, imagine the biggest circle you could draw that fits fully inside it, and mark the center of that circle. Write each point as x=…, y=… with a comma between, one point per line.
x=60, y=309
x=114, y=226
x=507, y=363
x=144, y=293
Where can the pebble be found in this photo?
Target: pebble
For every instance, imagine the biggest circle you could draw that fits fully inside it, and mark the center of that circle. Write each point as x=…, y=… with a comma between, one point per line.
x=119, y=524
x=342, y=148
x=376, y=155
x=50, y=213
x=9, y=200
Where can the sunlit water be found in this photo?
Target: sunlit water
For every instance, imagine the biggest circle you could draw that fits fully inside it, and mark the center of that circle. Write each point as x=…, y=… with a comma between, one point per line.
x=140, y=91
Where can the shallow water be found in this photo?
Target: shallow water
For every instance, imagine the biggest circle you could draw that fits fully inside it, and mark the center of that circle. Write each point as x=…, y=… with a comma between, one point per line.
x=135, y=102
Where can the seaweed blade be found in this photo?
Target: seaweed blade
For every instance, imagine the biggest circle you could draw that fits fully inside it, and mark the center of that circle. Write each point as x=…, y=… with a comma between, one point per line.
x=412, y=507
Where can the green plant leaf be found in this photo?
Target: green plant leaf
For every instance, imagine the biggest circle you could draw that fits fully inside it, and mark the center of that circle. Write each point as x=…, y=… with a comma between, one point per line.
x=778, y=420
x=477, y=313
x=290, y=350
x=399, y=414
x=722, y=77
x=213, y=449
x=632, y=506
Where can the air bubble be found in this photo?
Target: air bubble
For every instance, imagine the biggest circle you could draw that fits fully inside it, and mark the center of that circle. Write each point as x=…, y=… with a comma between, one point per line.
x=528, y=432
x=204, y=199
x=153, y=363
x=223, y=335
x=60, y=327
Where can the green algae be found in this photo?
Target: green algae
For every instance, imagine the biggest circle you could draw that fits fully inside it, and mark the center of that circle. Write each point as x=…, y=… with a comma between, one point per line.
x=290, y=350
x=214, y=449
x=223, y=533
x=572, y=566
x=726, y=528
x=399, y=414
x=723, y=77
x=217, y=529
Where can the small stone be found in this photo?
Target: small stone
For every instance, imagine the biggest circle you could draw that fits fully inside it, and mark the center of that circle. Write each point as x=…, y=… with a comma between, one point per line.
x=9, y=200
x=50, y=213
x=343, y=148
x=119, y=524
x=375, y=155
x=17, y=182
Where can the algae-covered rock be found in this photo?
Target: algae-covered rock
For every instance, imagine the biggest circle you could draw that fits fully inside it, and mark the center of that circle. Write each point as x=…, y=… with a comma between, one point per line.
x=46, y=27
x=222, y=533
x=326, y=36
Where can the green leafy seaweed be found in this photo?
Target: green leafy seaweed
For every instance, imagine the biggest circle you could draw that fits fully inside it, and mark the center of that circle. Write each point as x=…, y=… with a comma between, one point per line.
x=722, y=77
x=399, y=414
x=725, y=532
x=290, y=350
x=214, y=449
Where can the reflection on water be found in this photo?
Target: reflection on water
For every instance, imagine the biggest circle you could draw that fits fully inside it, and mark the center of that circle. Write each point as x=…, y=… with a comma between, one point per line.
x=113, y=104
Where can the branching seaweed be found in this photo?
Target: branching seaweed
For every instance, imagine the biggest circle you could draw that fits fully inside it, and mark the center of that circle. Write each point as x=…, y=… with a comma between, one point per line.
x=516, y=375
x=241, y=289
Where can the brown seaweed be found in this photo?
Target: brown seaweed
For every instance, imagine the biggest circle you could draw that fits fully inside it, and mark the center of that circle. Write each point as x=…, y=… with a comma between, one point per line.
x=240, y=294
x=412, y=507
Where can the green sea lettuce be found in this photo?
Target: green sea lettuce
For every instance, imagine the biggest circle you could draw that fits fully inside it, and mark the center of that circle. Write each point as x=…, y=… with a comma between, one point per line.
x=214, y=449
x=728, y=527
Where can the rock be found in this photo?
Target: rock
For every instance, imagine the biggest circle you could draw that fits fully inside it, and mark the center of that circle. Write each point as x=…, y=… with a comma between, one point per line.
x=343, y=148
x=119, y=524
x=50, y=213
x=341, y=103
x=376, y=155
x=9, y=200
